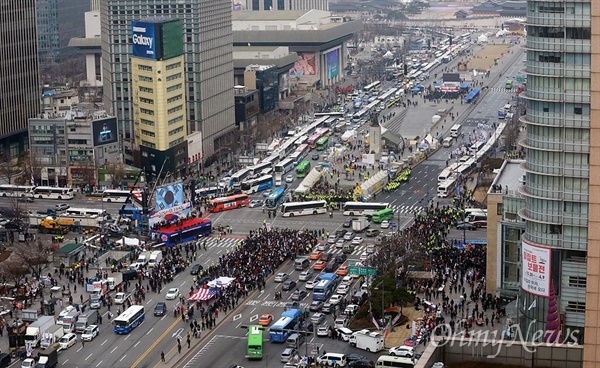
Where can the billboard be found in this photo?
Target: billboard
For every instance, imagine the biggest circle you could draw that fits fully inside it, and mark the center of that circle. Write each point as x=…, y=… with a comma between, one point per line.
x=305, y=65
x=284, y=82
x=169, y=196
x=535, y=275
x=333, y=63
x=144, y=39
x=105, y=131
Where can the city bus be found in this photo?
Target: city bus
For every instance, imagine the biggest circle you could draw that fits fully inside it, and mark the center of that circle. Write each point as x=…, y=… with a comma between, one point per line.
x=129, y=319
x=284, y=167
x=446, y=187
x=384, y=97
x=508, y=84
x=363, y=114
x=238, y=178
x=275, y=199
x=72, y=211
x=118, y=196
x=312, y=141
x=132, y=213
x=325, y=287
x=283, y=328
x=373, y=87
x=303, y=169
x=383, y=215
x=53, y=193
x=257, y=170
x=8, y=190
x=257, y=185
x=254, y=348
x=304, y=149
x=363, y=208
x=292, y=209
x=207, y=192
x=229, y=203
x=180, y=232
x=322, y=143
x=334, y=114
x=296, y=157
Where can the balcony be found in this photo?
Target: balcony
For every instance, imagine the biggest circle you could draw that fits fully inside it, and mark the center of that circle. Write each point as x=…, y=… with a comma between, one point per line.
x=555, y=119
x=542, y=192
x=558, y=44
x=543, y=238
x=557, y=20
x=541, y=143
x=543, y=167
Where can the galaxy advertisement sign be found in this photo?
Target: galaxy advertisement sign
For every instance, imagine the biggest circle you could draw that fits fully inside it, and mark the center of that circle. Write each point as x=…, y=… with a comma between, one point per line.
x=144, y=40
x=333, y=63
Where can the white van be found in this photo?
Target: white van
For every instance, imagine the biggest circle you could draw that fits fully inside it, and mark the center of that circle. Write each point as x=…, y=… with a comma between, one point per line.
x=448, y=142
x=155, y=258
x=455, y=130
x=476, y=147
x=393, y=361
x=333, y=360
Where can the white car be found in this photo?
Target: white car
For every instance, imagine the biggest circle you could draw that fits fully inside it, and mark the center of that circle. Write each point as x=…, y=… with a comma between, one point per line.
x=364, y=256
x=90, y=333
x=281, y=277
x=358, y=240
x=310, y=284
x=289, y=179
x=172, y=293
x=339, y=243
x=335, y=299
x=349, y=235
x=347, y=280
x=351, y=309
x=120, y=298
x=323, y=331
x=67, y=341
x=370, y=248
x=385, y=224
x=28, y=363
x=402, y=351
x=305, y=276
x=342, y=289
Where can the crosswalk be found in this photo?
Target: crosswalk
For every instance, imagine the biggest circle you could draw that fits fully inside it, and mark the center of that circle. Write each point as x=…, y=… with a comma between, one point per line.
x=502, y=89
x=405, y=209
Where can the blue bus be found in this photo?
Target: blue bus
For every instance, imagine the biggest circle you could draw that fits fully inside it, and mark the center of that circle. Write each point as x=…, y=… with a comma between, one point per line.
x=275, y=199
x=325, y=287
x=132, y=213
x=282, y=329
x=130, y=319
x=181, y=232
x=257, y=185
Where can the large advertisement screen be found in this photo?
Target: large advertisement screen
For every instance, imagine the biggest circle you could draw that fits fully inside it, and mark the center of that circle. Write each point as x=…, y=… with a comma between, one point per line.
x=306, y=64
x=333, y=63
x=144, y=39
x=105, y=131
x=535, y=277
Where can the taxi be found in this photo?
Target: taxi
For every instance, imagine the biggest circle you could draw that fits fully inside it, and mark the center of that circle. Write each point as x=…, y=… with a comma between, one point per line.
x=265, y=319
x=316, y=254
x=342, y=271
x=319, y=265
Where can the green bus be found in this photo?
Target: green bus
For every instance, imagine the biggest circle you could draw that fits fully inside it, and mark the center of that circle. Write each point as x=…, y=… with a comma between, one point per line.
x=303, y=169
x=381, y=216
x=255, y=342
x=322, y=143
x=508, y=84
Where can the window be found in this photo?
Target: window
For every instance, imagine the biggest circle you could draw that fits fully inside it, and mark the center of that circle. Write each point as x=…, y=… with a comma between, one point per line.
x=175, y=120
x=577, y=110
x=148, y=133
x=578, y=307
x=146, y=89
x=175, y=142
x=175, y=131
x=173, y=77
x=174, y=98
x=78, y=141
x=174, y=88
x=173, y=66
x=147, y=100
x=143, y=78
x=146, y=111
x=147, y=122
x=174, y=109
x=148, y=144
x=145, y=68
x=579, y=33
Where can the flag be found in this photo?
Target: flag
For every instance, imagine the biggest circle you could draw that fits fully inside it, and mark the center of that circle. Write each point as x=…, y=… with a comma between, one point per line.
x=375, y=322
x=389, y=327
x=533, y=305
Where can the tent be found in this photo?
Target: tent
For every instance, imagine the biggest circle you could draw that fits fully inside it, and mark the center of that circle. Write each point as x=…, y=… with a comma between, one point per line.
x=374, y=183
x=131, y=242
x=482, y=39
x=220, y=282
x=313, y=176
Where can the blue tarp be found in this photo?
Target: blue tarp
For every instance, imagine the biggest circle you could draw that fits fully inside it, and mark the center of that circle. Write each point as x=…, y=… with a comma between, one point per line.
x=464, y=86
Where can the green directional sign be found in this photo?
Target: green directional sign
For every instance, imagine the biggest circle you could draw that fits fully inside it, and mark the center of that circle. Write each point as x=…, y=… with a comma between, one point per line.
x=363, y=271
x=520, y=79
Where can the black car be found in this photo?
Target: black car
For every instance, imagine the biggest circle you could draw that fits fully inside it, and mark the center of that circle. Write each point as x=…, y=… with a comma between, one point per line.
x=355, y=357
x=196, y=269
x=299, y=294
x=26, y=199
x=160, y=309
x=288, y=285
x=362, y=364
x=347, y=223
x=315, y=306
x=325, y=257
x=340, y=258
x=307, y=326
x=466, y=225
x=340, y=232
x=315, y=156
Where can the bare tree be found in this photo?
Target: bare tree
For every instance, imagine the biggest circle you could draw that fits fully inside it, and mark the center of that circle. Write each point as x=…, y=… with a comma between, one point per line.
x=7, y=168
x=116, y=170
x=33, y=255
x=13, y=270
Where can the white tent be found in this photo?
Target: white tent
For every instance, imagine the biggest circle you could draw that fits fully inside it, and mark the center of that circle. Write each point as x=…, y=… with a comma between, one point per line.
x=348, y=134
x=129, y=241
x=482, y=39
x=220, y=282
x=313, y=176
x=374, y=183
x=388, y=55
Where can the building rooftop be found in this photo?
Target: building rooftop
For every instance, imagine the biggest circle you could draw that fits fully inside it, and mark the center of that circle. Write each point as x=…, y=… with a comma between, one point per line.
x=509, y=177
x=248, y=15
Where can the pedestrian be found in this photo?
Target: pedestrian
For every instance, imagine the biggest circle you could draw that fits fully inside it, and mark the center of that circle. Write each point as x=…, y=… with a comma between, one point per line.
x=162, y=356
x=189, y=342
x=178, y=347
x=82, y=343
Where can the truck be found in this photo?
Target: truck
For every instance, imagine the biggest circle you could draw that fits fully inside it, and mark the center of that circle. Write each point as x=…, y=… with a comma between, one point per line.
x=30, y=315
x=47, y=359
x=360, y=224
x=367, y=340
x=52, y=226
x=87, y=318
x=36, y=330
x=51, y=336
x=16, y=336
x=155, y=258
x=143, y=258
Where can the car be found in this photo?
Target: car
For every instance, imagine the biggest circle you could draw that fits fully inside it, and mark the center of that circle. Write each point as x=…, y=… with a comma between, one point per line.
x=315, y=156
x=299, y=294
x=26, y=199
x=363, y=256
x=319, y=265
x=370, y=248
x=291, y=305
x=315, y=306
x=160, y=309
x=372, y=233
x=310, y=284
x=289, y=179
x=342, y=289
x=340, y=258
x=266, y=193
x=339, y=243
x=323, y=331
x=255, y=203
x=362, y=364
x=402, y=351
x=67, y=340
x=120, y=298
x=326, y=257
x=357, y=240
x=305, y=275
x=195, y=269
x=317, y=318
x=351, y=309
x=327, y=307
x=347, y=223
x=315, y=255
x=466, y=226
x=347, y=279
x=90, y=333
x=340, y=233
x=385, y=224
x=28, y=363
x=342, y=271
x=288, y=285
x=331, y=239
x=61, y=207
x=335, y=299
x=288, y=355
x=349, y=235
x=323, y=247
x=265, y=319
x=281, y=277
x=172, y=293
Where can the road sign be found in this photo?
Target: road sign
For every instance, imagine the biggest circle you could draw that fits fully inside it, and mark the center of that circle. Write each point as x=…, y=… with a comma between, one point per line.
x=363, y=271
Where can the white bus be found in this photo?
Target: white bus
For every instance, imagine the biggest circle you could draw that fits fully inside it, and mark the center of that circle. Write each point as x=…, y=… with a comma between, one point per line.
x=53, y=193
x=373, y=87
x=446, y=188
x=256, y=170
x=239, y=177
x=115, y=195
x=208, y=192
x=292, y=209
x=363, y=208
x=387, y=94
x=455, y=130
x=395, y=362
x=7, y=190
x=363, y=114
x=284, y=167
x=72, y=211
x=257, y=185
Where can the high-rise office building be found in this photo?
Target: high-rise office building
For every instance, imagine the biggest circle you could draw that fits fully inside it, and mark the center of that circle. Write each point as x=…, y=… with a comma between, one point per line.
x=558, y=245
x=19, y=81
x=208, y=55
x=287, y=4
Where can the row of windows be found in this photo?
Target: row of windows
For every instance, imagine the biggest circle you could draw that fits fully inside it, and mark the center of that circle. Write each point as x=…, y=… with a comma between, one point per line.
x=175, y=109
x=557, y=108
x=148, y=144
x=147, y=100
x=148, y=133
x=174, y=88
x=147, y=122
x=559, y=134
x=175, y=131
x=572, y=84
x=145, y=68
x=78, y=141
x=560, y=8
x=146, y=89
x=175, y=142
x=146, y=111
x=569, y=33
x=173, y=77
x=176, y=120
x=143, y=78
x=559, y=158
x=174, y=98
x=173, y=66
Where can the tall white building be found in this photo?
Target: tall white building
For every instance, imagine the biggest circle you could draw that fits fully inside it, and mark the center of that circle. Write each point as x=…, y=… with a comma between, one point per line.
x=287, y=4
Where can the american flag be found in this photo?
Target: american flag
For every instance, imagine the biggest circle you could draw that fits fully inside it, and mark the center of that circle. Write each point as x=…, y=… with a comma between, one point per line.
x=203, y=294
